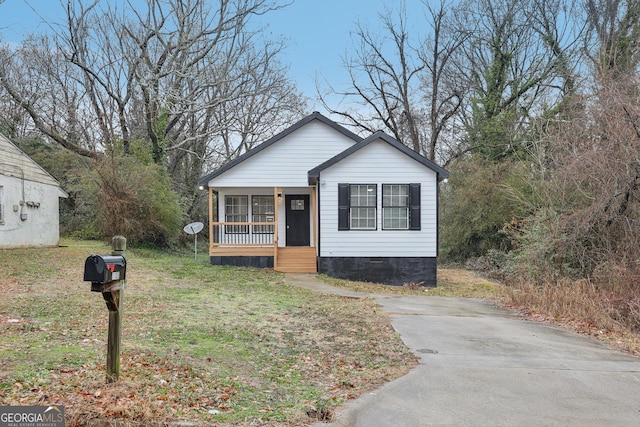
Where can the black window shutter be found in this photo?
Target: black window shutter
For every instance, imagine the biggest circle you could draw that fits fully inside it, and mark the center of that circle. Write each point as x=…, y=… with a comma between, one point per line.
x=414, y=206
x=343, y=206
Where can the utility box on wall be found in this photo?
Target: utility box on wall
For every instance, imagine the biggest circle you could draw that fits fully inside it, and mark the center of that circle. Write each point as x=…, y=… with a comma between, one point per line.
x=29, y=201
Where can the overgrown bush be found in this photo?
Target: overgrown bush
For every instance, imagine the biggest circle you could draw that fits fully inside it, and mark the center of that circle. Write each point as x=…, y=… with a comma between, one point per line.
x=77, y=214
x=476, y=206
x=135, y=200
x=578, y=254
x=130, y=196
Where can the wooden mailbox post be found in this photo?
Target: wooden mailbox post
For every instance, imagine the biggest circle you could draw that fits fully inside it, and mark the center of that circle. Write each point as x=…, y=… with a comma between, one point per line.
x=107, y=274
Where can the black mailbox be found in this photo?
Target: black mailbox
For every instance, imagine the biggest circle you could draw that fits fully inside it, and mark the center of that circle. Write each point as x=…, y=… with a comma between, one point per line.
x=100, y=269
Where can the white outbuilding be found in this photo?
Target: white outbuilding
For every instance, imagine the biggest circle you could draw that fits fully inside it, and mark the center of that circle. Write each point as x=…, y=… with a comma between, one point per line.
x=29, y=200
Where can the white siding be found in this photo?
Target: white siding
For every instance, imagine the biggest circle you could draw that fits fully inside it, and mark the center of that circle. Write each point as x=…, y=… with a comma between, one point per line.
x=287, y=161
x=29, y=200
x=41, y=226
x=378, y=163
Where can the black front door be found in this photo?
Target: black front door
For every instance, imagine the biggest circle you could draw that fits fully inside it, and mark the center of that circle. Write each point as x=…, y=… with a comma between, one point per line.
x=298, y=223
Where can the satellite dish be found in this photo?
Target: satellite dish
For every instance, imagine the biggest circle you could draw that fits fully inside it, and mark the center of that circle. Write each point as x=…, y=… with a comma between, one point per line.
x=194, y=228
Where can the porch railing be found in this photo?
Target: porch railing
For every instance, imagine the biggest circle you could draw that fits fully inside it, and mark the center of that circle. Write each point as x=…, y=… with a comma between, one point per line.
x=237, y=234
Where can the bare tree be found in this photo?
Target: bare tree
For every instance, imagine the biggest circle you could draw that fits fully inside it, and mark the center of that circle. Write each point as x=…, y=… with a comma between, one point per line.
x=399, y=86
x=178, y=79
x=561, y=27
x=156, y=74
x=444, y=90
x=613, y=42
x=516, y=64
x=45, y=86
x=259, y=108
x=591, y=197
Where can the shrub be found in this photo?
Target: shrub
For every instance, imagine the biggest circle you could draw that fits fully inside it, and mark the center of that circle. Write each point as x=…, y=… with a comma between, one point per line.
x=476, y=206
x=135, y=200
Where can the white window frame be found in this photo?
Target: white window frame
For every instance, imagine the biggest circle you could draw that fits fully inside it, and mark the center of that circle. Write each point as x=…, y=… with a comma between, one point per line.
x=262, y=210
x=363, y=204
x=395, y=206
x=236, y=209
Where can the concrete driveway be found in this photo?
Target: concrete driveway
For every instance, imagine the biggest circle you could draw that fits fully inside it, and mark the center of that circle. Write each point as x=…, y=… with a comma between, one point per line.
x=484, y=366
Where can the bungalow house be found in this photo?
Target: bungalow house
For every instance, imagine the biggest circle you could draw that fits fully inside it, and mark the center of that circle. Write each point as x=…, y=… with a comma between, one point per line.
x=29, y=200
x=319, y=198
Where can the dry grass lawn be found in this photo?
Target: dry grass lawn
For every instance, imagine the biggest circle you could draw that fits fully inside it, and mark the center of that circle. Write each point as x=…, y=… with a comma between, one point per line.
x=212, y=345
x=451, y=283
x=217, y=346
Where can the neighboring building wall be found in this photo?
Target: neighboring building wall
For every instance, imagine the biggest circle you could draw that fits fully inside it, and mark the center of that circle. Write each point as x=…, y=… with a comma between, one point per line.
x=29, y=198
x=40, y=226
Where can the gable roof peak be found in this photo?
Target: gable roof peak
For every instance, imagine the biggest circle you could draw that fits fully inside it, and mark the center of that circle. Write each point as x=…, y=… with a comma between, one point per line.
x=441, y=172
x=302, y=122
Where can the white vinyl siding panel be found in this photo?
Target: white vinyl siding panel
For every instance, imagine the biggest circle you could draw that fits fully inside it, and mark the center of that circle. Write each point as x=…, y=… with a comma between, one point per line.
x=378, y=163
x=1, y=205
x=287, y=161
x=41, y=227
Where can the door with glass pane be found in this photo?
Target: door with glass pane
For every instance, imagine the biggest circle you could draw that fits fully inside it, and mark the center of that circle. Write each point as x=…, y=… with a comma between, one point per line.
x=298, y=220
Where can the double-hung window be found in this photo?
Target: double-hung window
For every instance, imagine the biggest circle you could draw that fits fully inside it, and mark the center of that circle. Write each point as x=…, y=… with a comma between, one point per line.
x=236, y=209
x=262, y=210
x=395, y=206
x=357, y=206
x=362, y=206
x=401, y=206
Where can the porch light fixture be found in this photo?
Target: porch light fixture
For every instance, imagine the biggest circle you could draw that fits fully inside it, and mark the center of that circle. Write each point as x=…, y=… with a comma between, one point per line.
x=279, y=198
x=201, y=187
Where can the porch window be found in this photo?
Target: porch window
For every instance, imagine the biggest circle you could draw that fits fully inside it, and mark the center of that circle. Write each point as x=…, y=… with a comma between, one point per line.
x=395, y=206
x=236, y=209
x=362, y=206
x=262, y=211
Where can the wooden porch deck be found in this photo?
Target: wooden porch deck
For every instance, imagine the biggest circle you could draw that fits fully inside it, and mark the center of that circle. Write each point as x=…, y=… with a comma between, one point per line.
x=293, y=259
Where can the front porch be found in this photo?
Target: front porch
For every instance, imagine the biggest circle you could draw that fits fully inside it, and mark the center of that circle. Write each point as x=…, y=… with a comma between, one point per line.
x=277, y=230
x=246, y=244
